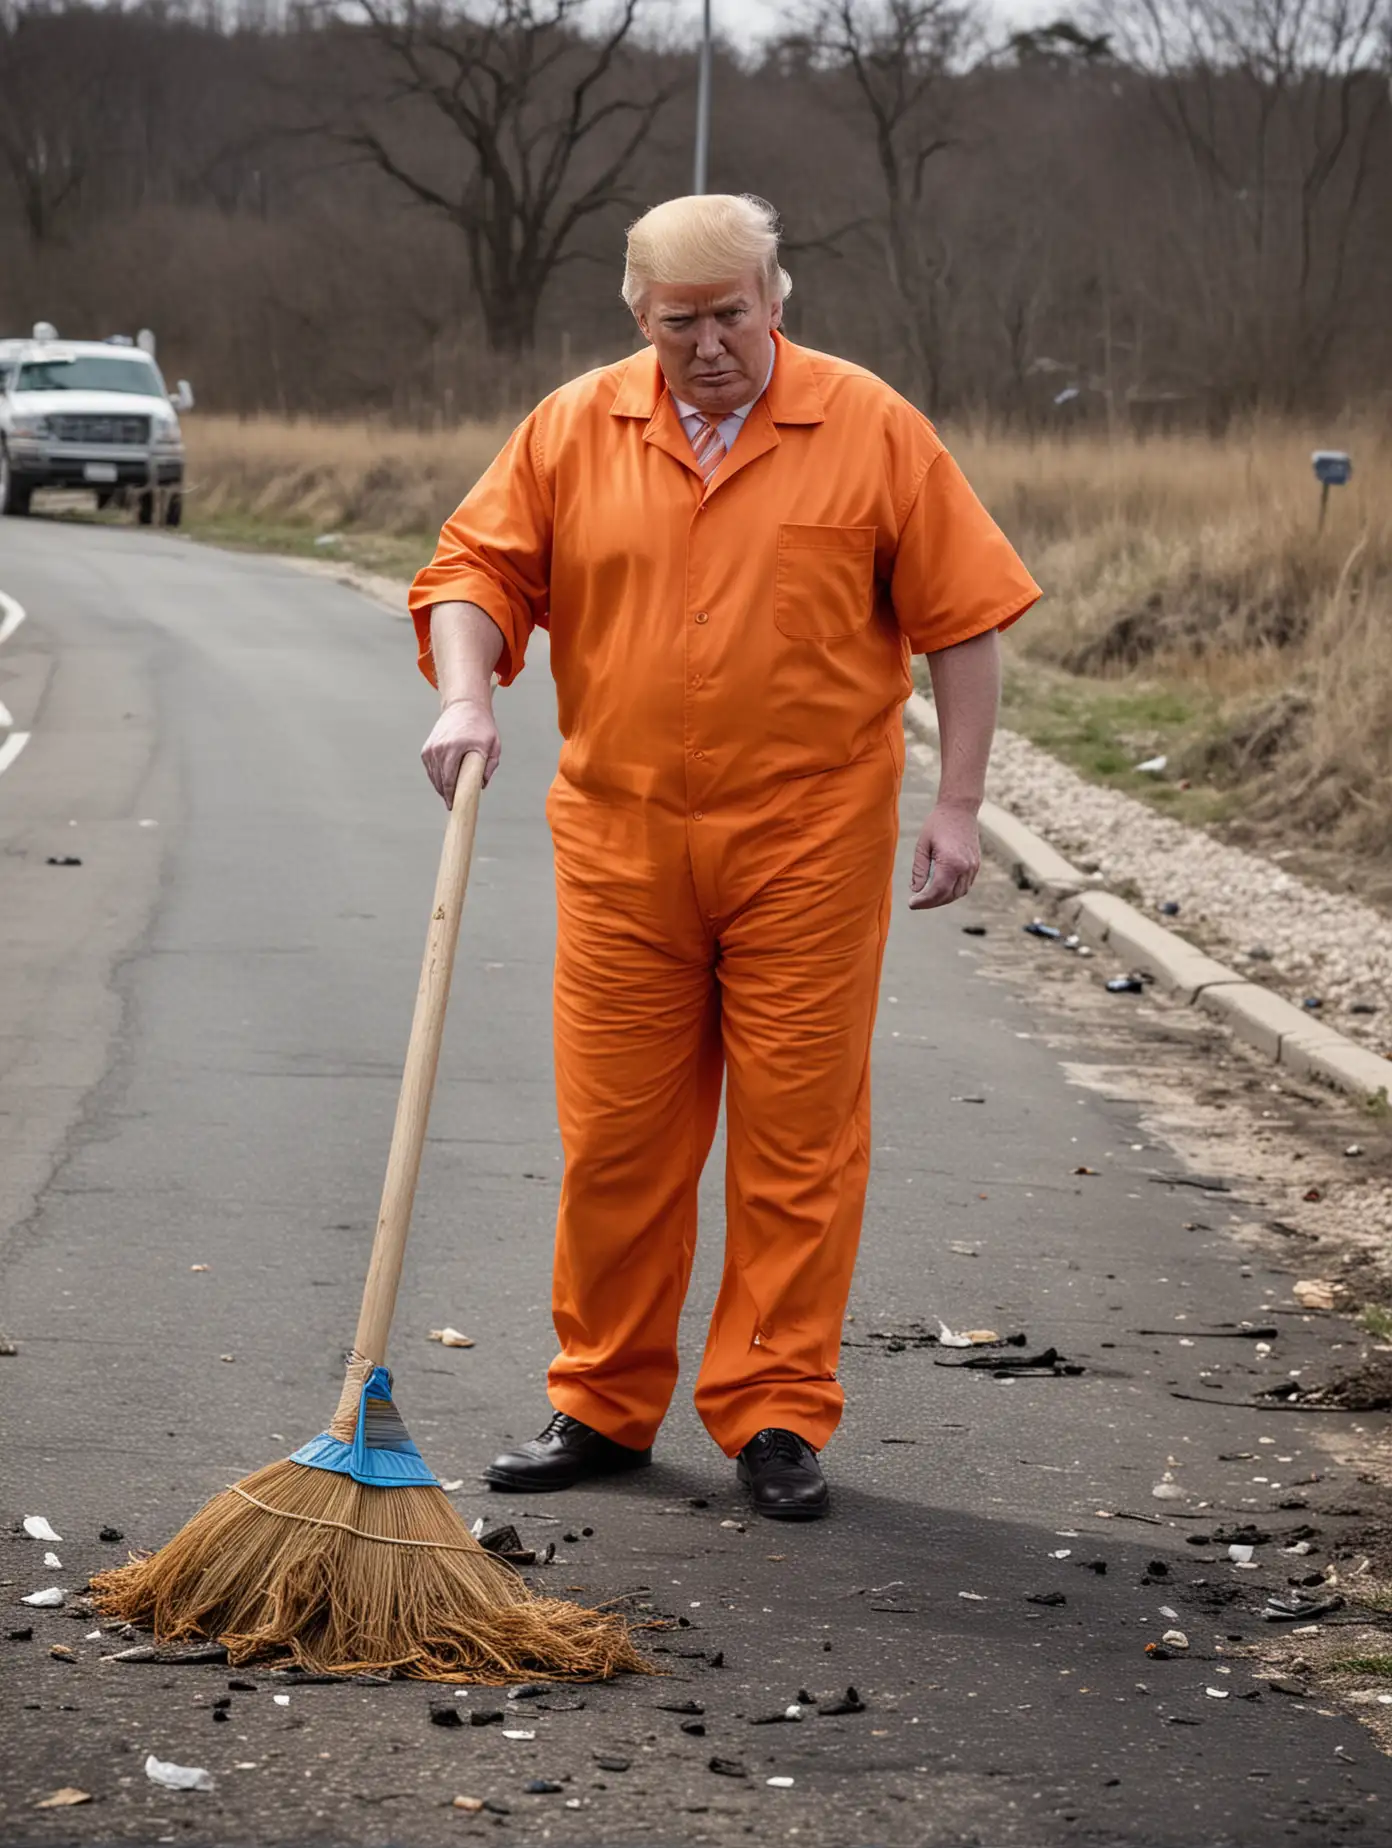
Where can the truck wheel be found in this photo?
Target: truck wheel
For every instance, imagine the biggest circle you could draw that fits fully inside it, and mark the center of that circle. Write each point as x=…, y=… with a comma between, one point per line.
x=145, y=507
x=174, y=508
x=14, y=494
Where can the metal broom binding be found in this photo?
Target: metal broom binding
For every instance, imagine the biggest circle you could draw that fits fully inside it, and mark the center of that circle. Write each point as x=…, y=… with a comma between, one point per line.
x=347, y=1557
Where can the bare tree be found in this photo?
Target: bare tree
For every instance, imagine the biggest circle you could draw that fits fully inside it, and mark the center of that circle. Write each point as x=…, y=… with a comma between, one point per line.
x=542, y=131
x=901, y=57
x=1278, y=106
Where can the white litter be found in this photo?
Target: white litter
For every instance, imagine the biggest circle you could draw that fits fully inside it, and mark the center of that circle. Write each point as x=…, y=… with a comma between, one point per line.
x=177, y=1777
x=779, y=1783
x=38, y=1528
x=972, y=1597
x=1216, y=1693
x=572, y=1802
x=451, y=1337
x=792, y=1713
x=281, y=1700
x=1301, y=1547
x=946, y=1337
x=453, y=1487
x=477, y=1527
x=1240, y=1555
x=50, y=1600
x=1175, y=1639
x=92, y=1636
x=1154, y=766
x=518, y=1735
x=1167, y=1489
x=1167, y=1611
x=1064, y=1552
x=53, y=1562
x=148, y=822
x=1385, y=1700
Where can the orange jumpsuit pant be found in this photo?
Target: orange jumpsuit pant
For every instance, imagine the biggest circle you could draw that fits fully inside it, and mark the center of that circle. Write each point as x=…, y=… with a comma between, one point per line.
x=681, y=958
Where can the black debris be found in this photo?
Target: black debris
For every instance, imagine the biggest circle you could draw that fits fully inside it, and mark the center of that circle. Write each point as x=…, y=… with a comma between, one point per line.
x=552, y=1706
x=1049, y=1364
x=221, y=1713
x=1158, y=1568
x=549, y=1554
x=587, y=1533
x=570, y=1539
x=1246, y=1535
x=111, y=1535
x=25, y=1634
x=718, y=1659
x=1169, y=908
x=1286, y=1684
x=1045, y=1597
x=445, y=1713
x=529, y=1690
x=487, y=1716
x=543, y=1787
x=1038, y=928
x=697, y=1501
x=1297, y=1609
x=1099, y=1566
x=780, y=1718
x=222, y=1703
x=680, y=1706
x=63, y=859
x=851, y=1703
x=608, y=1762
x=975, y=930
x=805, y=1699
x=1313, y=1002
x=496, y=1809
x=1125, y=985
x=501, y=1540
x=242, y=1687
x=697, y=1728
x=728, y=1767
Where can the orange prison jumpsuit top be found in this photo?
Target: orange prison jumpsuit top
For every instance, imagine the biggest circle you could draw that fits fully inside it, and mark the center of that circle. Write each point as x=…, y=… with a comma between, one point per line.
x=731, y=662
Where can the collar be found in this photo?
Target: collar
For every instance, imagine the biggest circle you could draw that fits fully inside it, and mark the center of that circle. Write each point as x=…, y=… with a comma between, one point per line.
x=791, y=394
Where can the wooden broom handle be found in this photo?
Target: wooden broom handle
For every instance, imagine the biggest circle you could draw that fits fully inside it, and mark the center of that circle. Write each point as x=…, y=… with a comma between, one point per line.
x=418, y=1075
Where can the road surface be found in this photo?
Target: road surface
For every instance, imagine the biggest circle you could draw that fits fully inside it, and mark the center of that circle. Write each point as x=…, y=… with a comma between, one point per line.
x=203, y=1023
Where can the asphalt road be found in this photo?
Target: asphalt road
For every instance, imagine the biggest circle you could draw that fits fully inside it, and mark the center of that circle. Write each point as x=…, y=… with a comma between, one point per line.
x=202, y=1025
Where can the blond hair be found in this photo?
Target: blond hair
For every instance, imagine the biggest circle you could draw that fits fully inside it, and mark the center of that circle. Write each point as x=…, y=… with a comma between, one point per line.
x=704, y=238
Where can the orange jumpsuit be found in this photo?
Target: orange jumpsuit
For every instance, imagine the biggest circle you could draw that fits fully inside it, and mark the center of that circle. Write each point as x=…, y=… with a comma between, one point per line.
x=730, y=661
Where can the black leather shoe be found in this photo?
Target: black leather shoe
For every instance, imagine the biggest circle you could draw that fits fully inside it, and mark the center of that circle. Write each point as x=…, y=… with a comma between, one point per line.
x=781, y=1472
x=567, y=1452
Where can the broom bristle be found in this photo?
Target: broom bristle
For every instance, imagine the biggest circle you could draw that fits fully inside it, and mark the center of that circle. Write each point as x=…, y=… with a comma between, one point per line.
x=290, y=1586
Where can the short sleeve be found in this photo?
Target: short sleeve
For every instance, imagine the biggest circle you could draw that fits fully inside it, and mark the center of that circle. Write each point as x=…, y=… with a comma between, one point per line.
x=495, y=551
x=955, y=573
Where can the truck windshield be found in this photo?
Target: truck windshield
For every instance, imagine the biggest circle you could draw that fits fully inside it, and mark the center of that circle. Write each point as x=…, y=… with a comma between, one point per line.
x=91, y=372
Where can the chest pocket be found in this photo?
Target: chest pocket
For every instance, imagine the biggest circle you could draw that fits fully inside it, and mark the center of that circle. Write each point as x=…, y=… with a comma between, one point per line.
x=824, y=583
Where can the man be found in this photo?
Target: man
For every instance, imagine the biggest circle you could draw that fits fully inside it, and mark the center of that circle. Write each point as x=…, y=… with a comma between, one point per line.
x=735, y=544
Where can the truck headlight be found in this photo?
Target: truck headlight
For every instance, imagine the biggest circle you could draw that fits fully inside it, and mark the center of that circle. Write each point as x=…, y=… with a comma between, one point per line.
x=33, y=427
x=166, y=432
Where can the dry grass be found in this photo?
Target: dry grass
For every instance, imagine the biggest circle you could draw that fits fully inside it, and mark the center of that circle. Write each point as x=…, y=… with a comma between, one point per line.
x=332, y=476
x=1180, y=563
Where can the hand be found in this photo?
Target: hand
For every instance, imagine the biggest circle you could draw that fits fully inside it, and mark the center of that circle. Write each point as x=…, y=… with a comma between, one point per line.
x=951, y=846
x=465, y=725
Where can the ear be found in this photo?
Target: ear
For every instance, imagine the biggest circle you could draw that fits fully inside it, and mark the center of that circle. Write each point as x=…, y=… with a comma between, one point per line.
x=641, y=317
x=776, y=314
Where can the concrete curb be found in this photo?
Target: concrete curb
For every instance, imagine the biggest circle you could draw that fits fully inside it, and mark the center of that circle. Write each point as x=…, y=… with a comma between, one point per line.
x=1290, y=1035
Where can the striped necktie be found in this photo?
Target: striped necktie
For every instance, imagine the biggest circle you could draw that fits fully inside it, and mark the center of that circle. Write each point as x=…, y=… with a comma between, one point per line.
x=709, y=448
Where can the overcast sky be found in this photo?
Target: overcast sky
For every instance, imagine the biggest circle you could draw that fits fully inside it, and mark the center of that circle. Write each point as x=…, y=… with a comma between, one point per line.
x=746, y=20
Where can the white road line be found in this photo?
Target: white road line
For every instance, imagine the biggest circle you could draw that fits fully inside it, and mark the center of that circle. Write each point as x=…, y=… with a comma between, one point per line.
x=12, y=614
x=11, y=749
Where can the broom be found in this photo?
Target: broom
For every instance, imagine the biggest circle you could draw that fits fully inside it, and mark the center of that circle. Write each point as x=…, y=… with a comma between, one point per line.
x=347, y=1557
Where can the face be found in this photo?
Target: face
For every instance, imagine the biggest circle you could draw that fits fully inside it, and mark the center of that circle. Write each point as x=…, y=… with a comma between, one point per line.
x=712, y=340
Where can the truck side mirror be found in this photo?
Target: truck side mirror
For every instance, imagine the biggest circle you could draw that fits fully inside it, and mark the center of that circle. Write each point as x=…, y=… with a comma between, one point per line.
x=182, y=397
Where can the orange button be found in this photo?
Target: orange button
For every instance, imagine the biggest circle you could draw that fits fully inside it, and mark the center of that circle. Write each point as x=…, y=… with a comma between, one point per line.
x=698, y=753
x=702, y=616
x=698, y=814
x=695, y=680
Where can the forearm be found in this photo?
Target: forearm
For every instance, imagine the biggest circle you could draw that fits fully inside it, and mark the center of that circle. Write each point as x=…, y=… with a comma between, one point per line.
x=966, y=690
x=466, y=644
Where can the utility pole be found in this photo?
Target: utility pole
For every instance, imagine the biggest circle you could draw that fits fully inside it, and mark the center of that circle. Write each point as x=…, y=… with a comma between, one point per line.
x=703, y=101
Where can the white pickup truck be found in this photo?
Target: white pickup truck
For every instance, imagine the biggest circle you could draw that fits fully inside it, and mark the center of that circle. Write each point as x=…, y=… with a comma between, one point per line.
x=90, y=414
